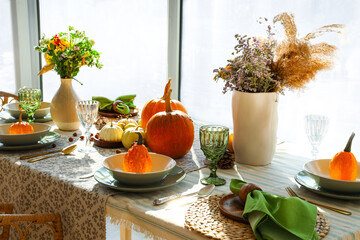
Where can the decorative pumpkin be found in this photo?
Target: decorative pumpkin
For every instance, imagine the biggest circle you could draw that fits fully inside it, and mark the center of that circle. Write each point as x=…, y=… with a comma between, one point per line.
x=230, y=143
x=130, y=136
x=170, y=132
x=21, y=127
x=156, y=105
x=344, y=166
x=125, y=121
x=246, y=189
x=111, y=132
x=137, y=159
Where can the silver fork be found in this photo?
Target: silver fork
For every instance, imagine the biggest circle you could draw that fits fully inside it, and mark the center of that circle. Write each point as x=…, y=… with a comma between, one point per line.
x=293, y=194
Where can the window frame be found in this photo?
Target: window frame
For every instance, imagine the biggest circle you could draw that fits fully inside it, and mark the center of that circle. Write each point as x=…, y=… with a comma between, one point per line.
x=27, y=33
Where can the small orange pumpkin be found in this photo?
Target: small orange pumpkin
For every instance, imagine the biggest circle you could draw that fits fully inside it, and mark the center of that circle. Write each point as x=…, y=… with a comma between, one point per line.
x=170, y=132
x=344, y=166
x=156, y=105
x=21, y=127
x=137, y=159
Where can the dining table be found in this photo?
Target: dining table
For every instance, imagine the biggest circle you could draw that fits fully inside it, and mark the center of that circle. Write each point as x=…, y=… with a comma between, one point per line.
x=66, y=184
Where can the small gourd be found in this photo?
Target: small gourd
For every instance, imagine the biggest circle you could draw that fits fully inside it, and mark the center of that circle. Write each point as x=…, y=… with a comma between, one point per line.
x=111, y=132
x=344, y=166
x=21, y=127
x=137, y=159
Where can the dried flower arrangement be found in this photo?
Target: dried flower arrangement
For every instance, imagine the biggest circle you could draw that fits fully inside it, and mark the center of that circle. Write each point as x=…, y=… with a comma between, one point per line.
x=269, y=66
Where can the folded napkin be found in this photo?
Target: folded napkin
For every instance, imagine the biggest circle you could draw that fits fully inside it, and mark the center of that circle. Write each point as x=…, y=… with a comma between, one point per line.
x=275, y=218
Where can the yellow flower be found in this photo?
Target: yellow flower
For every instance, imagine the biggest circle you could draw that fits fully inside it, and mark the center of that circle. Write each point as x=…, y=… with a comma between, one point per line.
x=48, y=59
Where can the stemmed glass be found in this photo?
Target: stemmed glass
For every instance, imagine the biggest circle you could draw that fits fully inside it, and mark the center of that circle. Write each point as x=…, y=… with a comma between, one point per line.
x=213, y=141
x=87, y=111
x=316, y=127
x=29, y=100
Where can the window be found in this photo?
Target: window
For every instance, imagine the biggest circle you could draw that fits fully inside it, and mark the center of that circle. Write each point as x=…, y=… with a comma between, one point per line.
x=208, y=29
x=7, y=70
x=132, y=37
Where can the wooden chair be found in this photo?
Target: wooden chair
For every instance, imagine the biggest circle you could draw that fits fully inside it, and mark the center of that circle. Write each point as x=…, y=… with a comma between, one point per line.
x=6, y=98
x=8, y=219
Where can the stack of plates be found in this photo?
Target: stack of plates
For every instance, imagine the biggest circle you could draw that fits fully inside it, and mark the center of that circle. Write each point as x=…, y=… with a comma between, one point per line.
x=316, y=178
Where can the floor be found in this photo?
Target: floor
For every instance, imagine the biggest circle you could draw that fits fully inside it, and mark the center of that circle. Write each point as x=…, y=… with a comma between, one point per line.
x=113, y=232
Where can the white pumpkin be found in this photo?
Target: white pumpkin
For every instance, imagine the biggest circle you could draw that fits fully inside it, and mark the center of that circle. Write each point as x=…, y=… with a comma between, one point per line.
x=111, y=132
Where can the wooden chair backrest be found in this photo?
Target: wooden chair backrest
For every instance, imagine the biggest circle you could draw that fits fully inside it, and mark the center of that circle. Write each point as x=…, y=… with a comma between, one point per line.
x=52, y=220
x=5, y=98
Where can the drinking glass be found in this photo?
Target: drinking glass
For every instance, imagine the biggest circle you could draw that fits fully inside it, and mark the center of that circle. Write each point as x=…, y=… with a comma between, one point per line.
x=316, y=127
x=213, y=141
x=87, y=111
x=29, y=100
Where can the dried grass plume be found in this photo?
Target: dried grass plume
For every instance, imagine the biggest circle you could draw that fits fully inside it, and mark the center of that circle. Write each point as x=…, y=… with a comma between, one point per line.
x=296, y=60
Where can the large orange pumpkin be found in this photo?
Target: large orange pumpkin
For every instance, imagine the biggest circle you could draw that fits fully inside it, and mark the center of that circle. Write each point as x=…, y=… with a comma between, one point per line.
x=156, y=105
x=137, y=159
x=170, y=132
x=21, y=127
x=344, y=166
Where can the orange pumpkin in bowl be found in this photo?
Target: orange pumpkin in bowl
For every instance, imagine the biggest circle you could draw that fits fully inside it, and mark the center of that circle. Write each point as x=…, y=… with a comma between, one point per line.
x=21, y=127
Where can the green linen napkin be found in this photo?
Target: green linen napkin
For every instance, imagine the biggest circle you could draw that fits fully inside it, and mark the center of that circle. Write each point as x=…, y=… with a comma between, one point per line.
x=275, y=218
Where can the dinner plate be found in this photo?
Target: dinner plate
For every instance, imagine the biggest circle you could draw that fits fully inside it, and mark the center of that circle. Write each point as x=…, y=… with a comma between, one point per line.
x=104, y=177
x=306, y=180
x=133, y=112
x=6, y=118
x=49, y=138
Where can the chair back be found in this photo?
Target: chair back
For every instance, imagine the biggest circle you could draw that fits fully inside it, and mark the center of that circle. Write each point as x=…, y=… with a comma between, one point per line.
x=5, y=98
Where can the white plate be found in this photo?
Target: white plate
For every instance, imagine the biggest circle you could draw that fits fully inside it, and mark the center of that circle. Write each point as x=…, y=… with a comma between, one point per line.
x=40, y=130
x=319, y=169
x=104, y=177
x=307, y=181
x=50, y=138
x=13, y=110
x=161, y=166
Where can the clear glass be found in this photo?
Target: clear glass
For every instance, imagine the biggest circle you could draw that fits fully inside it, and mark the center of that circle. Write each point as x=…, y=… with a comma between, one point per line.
x=87, y=111
x=213, y=142
x=29, y=100
x=131, y=37
x=316, y=127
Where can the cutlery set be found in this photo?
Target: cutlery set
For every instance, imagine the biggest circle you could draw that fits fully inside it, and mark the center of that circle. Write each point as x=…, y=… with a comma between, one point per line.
x=64, y=151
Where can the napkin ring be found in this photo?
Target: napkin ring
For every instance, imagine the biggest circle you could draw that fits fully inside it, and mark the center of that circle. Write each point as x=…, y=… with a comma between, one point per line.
x=246, y=189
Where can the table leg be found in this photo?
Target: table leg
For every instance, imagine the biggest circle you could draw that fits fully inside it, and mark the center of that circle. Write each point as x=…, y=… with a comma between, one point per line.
x=125, y=233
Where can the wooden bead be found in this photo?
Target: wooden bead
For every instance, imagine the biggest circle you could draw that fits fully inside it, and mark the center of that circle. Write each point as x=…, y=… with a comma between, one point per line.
x=247, y=188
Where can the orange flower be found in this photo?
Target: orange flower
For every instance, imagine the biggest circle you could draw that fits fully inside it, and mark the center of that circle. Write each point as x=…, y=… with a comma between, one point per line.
x=83, y=60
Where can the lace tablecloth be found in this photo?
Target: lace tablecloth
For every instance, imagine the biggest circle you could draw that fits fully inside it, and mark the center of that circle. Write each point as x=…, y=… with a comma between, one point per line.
x=54, y=185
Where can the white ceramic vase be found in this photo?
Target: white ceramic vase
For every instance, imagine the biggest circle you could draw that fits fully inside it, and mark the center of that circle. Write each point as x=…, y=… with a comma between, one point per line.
x=255, y=122
x=62, y=107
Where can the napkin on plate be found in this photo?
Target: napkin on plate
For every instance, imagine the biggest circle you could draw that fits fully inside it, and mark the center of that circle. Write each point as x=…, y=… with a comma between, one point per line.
x=275, y=218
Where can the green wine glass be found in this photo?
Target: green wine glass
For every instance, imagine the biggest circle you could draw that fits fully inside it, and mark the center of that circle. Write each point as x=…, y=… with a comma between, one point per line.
x=213, y=141
x=29, y=100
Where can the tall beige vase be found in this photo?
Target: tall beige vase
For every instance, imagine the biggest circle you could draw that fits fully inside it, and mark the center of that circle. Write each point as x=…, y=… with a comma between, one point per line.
x=62, y=107
x=255, y=122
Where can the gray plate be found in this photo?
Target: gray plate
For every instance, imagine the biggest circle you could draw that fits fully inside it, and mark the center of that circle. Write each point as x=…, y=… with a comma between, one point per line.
x=50, y=138
x=7, y=118
x=176, y=175
x=306, y=180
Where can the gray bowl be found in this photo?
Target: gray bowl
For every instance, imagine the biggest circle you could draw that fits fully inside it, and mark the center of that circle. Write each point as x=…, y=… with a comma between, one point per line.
x=13, y=110
x=40, y=130
x=161, y=166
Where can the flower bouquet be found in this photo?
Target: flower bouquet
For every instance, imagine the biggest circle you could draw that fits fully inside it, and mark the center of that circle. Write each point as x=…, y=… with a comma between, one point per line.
x=66, y=53
x=261, y=68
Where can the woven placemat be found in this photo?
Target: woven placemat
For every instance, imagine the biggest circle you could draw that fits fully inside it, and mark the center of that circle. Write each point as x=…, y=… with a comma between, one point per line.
x=204, y=216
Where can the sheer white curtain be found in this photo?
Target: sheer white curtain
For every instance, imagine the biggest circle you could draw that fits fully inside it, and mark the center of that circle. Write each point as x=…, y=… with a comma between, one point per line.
x=132, y=37
x=7, y=70
x=208, y=39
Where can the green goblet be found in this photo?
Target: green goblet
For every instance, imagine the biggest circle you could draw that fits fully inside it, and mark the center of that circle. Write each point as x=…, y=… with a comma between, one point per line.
x=213, y=141
x=29, y=100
